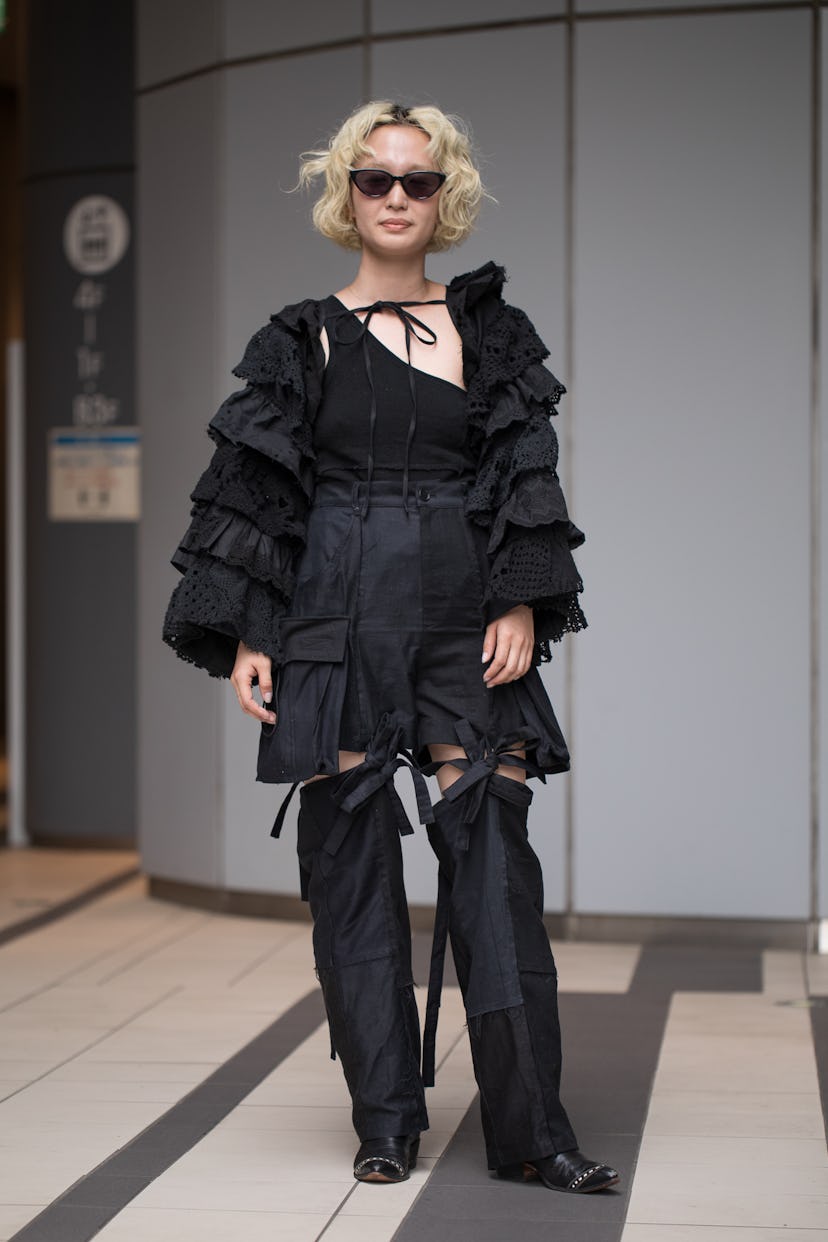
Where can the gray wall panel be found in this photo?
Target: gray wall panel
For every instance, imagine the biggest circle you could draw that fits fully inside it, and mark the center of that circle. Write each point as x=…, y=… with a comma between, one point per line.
x=612, y=6
x=180, y=322
x=252, y=28
x=822, y=784
x=692, y=465
x=388, y=16
x=518, y=127
x=271, y=255
x=176, y=37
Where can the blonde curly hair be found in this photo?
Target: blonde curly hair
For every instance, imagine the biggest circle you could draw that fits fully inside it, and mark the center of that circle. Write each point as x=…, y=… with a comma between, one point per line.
x=449, y=147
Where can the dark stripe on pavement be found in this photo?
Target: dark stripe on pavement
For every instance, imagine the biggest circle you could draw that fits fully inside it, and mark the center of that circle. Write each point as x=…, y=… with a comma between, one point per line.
x=94, y=1199
x=611, y=1049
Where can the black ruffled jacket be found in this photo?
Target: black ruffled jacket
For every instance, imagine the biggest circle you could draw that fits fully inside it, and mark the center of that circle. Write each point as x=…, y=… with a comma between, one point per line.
x=239, y=553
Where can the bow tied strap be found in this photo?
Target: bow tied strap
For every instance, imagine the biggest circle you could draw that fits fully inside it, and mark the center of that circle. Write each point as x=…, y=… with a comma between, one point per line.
x=414, y=327
x=383, y=756
x=479, y=766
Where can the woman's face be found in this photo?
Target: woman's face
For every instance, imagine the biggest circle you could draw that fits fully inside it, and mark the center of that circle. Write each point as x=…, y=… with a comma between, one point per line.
x=396, y=224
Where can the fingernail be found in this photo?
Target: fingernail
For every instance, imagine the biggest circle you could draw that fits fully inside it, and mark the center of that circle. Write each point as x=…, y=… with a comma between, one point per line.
x=267, y=697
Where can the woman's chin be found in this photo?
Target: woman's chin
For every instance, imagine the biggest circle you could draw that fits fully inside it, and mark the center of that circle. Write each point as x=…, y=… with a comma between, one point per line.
x=396, y=242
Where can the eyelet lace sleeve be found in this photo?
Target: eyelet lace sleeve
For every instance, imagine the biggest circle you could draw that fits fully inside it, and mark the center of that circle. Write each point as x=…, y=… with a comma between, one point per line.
x=248, y=517
x=517, y=493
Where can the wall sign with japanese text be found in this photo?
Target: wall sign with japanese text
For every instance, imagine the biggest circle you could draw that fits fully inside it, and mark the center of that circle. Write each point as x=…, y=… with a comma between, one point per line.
x=94, y=475
x=93, y=466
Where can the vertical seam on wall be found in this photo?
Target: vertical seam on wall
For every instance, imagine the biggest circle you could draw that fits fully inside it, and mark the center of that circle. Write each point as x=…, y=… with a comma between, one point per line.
x=816, y=461
x=367, y=51
x=220, y=842
x=569, y=438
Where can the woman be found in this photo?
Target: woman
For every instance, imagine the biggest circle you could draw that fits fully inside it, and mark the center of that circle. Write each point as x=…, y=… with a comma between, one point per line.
x=381, y=511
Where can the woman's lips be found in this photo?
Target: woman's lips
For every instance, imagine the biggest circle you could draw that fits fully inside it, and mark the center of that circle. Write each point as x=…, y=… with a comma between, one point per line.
x=394, y=226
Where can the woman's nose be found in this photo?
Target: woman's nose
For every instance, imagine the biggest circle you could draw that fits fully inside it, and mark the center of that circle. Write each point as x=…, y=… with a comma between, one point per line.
x=397, y=196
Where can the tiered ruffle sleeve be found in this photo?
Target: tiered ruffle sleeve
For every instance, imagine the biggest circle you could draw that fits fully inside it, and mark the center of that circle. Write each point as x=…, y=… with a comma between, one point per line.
x=517, y=494
x=249, y=511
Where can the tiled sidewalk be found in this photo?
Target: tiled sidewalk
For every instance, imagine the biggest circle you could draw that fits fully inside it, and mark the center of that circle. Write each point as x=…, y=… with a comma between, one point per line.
x=114, y=1017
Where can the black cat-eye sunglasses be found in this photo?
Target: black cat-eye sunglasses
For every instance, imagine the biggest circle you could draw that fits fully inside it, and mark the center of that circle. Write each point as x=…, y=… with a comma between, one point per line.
x=376, y=182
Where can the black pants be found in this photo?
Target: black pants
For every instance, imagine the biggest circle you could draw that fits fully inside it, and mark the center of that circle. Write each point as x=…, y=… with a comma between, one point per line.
x=351, y=862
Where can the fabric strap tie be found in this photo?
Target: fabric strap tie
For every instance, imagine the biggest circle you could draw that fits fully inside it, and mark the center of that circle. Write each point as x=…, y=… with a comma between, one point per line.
x=414, y=327
x=384, y=754
x=480, y=764
x=478, y=767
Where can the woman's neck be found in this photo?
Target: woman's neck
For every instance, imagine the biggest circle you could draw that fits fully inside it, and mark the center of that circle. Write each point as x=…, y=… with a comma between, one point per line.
x=389, y=280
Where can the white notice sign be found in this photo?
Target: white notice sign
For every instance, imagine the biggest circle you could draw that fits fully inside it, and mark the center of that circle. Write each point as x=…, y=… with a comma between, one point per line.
x=94, y=474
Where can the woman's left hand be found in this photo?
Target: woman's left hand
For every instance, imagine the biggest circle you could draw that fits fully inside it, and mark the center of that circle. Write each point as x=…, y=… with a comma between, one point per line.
x=509, y=643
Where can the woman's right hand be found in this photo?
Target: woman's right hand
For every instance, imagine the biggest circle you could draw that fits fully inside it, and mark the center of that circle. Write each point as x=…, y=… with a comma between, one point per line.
x=250, y=664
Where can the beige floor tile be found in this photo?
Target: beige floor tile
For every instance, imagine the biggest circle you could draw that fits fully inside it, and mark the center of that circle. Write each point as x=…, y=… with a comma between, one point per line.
x=34, y=880
x=175, y=1190
x=14, y=1216
x=714, y=1233
x=176, y=1225
x=361, y=1229
x=43, y=1183
x=595, y=967
x=135, y=1043
x=92, y=1090
x=434, y=1142
x=734, y=1070
x=757, y=1153
x=731, y=1181
x=37, y=1109
x=49, y=1043
x=737, y=1114
x=393, y=1201
x=160, y=928
x=24, y=1146
x=241, y=1155
x=738, y=1207
x=98, y=1006
x=23, y=1069
x=289, y=1118
x=10, y=1087
x=299, y=1092
x=783, y=975
x=86, y=1069
x=796, y=1080
x=718, y=1010
x=763, y=1057
x=816, y=969
x=81, y=946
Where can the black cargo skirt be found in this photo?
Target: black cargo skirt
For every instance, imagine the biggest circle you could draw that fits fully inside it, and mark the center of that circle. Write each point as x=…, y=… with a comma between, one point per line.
x=386, y=631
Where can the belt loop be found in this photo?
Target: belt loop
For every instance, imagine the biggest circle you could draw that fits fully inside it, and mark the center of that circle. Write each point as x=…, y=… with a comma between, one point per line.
x=357, y=505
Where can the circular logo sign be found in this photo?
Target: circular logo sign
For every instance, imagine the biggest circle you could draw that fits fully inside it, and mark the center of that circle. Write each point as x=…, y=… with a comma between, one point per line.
x=96, y=234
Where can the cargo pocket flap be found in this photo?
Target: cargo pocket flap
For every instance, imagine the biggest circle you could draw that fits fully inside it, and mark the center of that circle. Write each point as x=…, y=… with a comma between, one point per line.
x=314, y=638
